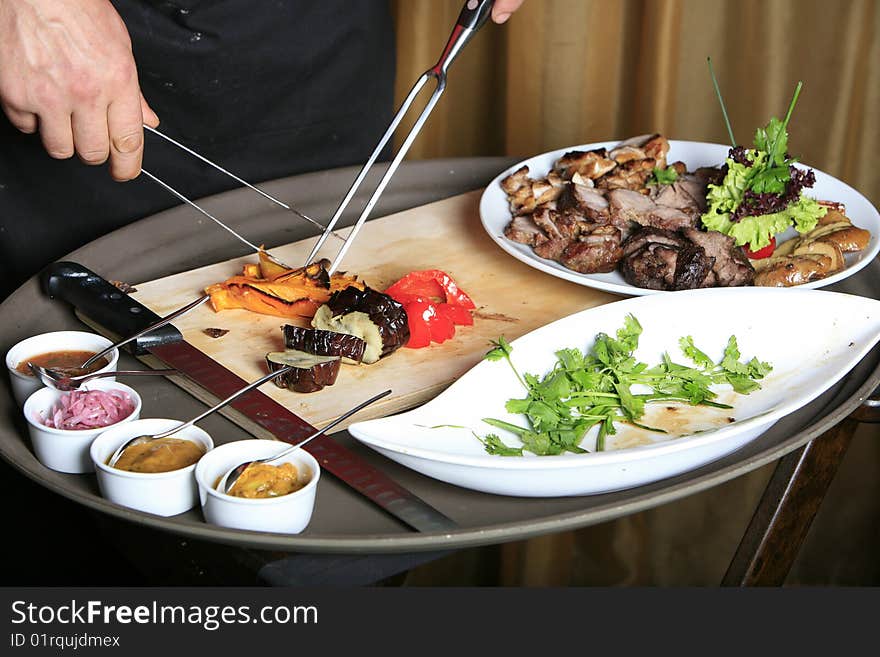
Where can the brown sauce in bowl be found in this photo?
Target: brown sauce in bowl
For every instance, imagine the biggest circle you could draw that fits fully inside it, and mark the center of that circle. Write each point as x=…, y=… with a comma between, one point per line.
x=262, y=480
x=67, y=362
x=161, y=455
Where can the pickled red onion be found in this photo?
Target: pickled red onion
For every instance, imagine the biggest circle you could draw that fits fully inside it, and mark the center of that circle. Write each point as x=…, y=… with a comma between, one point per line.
x=89, y=409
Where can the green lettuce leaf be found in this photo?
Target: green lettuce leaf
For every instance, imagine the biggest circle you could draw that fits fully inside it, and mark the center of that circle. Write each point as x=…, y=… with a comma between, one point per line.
x=755, y=232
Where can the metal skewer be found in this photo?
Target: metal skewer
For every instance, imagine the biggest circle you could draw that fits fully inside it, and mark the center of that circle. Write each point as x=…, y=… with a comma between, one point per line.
x=474, y=14
x=259, y=191
x=213, y=218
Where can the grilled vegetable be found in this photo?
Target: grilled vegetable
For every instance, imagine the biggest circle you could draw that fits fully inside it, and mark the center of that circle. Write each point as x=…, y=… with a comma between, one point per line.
x=310, y=372
x=272, y=290
x=325, y=343
x=434, y=304
x=368, y=314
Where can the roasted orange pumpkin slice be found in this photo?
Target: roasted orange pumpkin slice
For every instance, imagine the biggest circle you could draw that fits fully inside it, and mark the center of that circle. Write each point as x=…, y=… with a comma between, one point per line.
x=269, y=289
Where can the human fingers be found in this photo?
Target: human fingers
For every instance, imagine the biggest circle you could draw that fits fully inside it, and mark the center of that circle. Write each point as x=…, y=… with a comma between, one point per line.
x=502, y=9
x=90, y=136
x=26, y=122
x=57, y=135
x=125, y=123
x=150, y=117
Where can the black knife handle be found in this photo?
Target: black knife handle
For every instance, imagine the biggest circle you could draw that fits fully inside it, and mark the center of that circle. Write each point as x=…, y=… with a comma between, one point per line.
x=105, y=304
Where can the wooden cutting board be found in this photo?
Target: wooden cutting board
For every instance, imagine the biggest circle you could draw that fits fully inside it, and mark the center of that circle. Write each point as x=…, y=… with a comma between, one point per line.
x=511, y=297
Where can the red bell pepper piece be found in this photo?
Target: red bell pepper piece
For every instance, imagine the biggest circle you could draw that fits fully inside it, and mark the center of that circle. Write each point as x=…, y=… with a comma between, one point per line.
x=434, y=304
x=434, y=284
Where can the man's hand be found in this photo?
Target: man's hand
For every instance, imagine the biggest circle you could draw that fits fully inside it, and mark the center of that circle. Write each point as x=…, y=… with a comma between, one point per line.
x=502, y=9
x=67, y=71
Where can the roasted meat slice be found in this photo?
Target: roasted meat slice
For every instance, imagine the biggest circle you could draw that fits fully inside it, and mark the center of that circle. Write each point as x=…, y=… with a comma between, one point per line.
x=524, y=230
x=516, y=180
x=622, y=154
x=644, y=236
x=685, y=195
x=692, y=268
x=629, y=175
x=587, y=201
x=552, y=248
x=626, y=205
x=588, y=164
x=731, y=268
x=597, y=251
x=651, y=267
x=670, y=218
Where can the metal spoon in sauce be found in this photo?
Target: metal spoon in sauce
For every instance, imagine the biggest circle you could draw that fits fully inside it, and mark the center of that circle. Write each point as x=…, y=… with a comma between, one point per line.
x=229, y=479
x=64, y=382
x=137, y=440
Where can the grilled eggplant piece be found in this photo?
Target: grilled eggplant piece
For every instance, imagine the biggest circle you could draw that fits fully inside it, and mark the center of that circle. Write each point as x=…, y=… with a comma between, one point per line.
x=310, y=372
x=368, y=314
x=325, y=343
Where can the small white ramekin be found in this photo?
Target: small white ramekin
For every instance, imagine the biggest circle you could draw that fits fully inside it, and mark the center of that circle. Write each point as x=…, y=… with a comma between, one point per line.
x=161, y=493
x=67, y=450
x=24, y=384
x=288, y=514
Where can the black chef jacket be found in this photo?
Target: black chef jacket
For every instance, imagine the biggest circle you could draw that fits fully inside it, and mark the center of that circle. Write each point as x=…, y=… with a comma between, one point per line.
x=267, y=88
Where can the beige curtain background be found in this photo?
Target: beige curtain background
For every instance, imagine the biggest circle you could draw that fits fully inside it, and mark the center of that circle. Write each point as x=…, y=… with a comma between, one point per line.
x=567, y=72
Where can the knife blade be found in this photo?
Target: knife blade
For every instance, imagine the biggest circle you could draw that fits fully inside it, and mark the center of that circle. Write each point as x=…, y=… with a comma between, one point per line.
x=109, y=309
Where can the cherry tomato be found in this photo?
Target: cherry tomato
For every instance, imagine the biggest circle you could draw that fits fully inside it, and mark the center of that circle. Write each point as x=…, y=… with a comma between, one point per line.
x=764, y=252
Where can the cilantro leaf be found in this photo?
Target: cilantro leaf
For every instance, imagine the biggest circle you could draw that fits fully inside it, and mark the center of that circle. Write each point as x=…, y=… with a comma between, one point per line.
x=593, y=390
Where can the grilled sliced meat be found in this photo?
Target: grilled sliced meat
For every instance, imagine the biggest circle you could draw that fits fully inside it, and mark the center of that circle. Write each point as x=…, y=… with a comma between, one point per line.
x=684, y=195
x=552, y=248
x=629, y=175
x=731, y=268
x=670, y=218
x=656, y=148
x=587, y=201
x=651, y=267
x=710, y=175
x=524, y=230
x=589, y=164
x=519, y=178
x=623, y=154
x=644, y=236
x=692, y=268
x=597, y=251
x=626, y=205
x=546, y=220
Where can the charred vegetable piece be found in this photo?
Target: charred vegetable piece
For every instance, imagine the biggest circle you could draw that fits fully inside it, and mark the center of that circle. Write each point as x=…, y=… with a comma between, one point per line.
x=368, y=314
x=325, y=343
x=272, y=290
x=311, y=372
x=434, y=304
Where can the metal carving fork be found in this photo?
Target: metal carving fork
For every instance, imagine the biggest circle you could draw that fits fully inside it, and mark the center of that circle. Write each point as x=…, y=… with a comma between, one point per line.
x=239, y=180
x=473, y=16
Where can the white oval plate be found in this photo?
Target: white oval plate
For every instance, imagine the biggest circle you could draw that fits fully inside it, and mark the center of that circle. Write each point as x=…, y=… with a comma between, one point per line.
x=495, y=215
x=812, y=338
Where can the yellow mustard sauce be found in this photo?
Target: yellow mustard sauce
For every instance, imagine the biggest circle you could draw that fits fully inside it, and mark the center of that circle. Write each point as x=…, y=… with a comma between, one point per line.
x=162, y=455
x=262, y=480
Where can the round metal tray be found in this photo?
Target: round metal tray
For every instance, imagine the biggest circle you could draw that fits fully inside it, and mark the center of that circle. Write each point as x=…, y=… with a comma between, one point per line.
x=344, y=522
